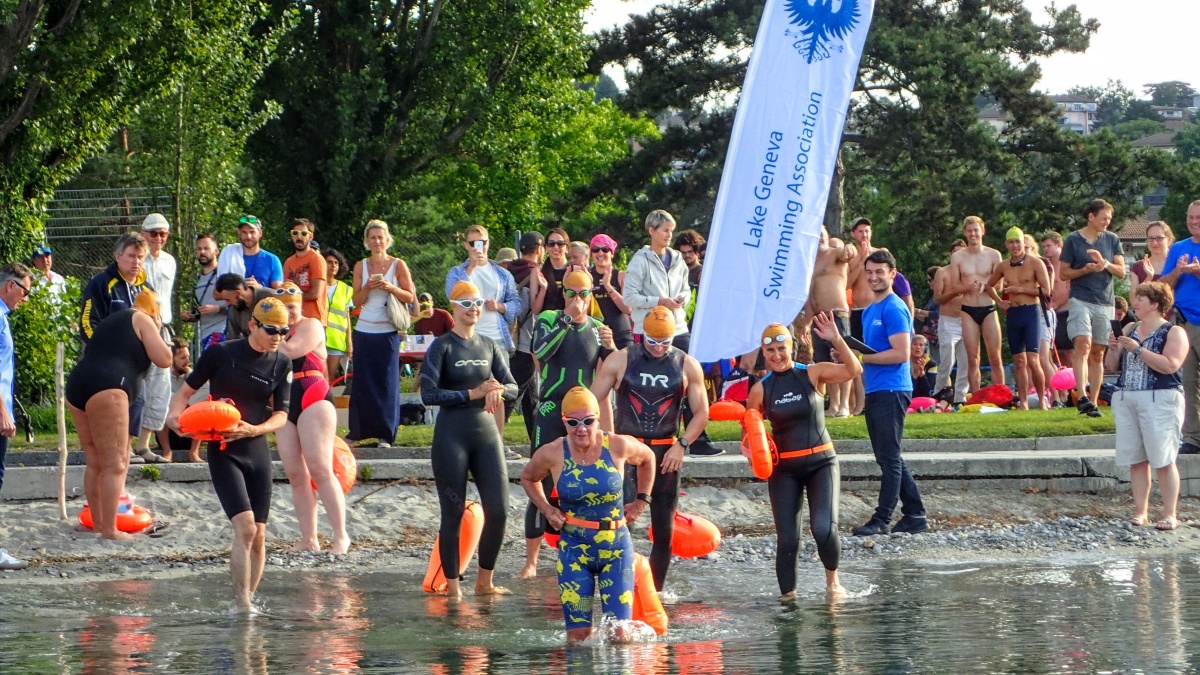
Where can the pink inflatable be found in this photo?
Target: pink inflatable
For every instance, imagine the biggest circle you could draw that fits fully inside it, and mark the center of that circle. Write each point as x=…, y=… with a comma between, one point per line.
x=1063, y=380
x=921, y=403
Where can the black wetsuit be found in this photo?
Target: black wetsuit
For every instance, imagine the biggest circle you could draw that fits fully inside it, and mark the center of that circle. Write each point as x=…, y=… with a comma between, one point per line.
x=797, y=416
x=115, y=359
x=465, y=438
x=259, y=385
x=650, y=398
x=614, y=318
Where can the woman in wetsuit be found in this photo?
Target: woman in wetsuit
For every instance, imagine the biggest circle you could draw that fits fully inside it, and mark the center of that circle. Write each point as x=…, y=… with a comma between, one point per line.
x=256, y=378
x=467, y=376
x=594, y=548
x=792, y=398
x=306, y=441
x=99, y=390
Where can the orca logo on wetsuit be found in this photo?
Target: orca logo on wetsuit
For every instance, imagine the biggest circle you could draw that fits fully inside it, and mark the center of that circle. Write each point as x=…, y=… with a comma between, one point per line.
x=649, y=380
x=471, y=362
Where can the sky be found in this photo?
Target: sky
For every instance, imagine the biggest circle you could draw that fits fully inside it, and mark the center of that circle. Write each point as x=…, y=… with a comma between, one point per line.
x=1138, y=42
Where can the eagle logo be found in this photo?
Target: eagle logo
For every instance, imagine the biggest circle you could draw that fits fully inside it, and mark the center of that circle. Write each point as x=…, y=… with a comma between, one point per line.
x=821, y=22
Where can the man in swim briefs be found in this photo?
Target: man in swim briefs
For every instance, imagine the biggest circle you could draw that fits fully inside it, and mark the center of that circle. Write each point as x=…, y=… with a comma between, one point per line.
x=1026, y=282
x=587, y=467
x=970, y=269
x=827, y=293
x=652, y=379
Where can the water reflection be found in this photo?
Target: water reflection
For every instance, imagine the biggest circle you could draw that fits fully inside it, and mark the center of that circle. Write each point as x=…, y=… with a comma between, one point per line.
x=116, y=644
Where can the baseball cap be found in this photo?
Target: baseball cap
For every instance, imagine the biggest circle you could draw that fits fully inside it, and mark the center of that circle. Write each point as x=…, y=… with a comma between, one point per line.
x=155, y=221
x=42, y=250
x=530, y=241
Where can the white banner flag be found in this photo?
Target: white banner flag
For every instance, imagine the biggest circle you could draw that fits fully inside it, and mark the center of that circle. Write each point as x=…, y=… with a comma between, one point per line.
x=767, y=222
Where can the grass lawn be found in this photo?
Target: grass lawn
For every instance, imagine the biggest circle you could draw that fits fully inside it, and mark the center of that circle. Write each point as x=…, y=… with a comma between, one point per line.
x=1012, y=424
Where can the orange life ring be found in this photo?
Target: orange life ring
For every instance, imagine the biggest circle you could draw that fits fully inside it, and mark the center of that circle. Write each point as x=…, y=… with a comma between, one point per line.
x=694, y=536
x=726, y=410
x=135, y=519
x=208, y=420
x=647, y=608
x=468, y=539
x=345, y=467
x=761, y=462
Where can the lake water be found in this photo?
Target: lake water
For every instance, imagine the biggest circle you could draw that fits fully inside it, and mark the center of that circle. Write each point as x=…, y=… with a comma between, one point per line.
x=1121, y=615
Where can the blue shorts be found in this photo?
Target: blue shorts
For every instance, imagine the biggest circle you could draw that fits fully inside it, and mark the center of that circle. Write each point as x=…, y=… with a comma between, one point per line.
x=1023, y=322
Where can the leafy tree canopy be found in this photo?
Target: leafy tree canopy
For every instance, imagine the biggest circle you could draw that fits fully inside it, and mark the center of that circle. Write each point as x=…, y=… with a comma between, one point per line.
x=1187, y=144
x=1139, y=128
x=1173, y=93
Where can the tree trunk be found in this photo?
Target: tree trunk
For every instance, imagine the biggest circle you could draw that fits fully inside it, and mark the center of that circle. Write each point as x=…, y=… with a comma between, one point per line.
x=835, y=207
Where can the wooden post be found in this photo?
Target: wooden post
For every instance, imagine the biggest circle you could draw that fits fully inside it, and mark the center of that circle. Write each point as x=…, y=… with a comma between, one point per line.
x=60, y=398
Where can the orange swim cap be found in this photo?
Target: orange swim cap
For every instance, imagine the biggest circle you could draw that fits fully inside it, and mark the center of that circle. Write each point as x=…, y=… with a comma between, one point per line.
x=463, y=288
x=270, y=311
x=578, y=280
x=773, y=332
x=147, y=301
x=291, y=294
x=579, y=399
x=659, y=323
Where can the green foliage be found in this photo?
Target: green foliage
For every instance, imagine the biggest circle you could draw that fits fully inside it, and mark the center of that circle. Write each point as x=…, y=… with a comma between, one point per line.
x=1182, y=178
x=38, y=324
x=1187, y=142
x=151, y=473
x=1112, y=100
x=1173, y=93
x=364, y=472
x=1139, y=128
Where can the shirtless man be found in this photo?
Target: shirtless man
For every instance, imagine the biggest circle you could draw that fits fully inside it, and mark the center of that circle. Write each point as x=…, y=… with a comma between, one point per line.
x=970, y=269
x=952, y=349
x=1060, y=295
x=861, y=295
x=1026, y=281
x=828, y=294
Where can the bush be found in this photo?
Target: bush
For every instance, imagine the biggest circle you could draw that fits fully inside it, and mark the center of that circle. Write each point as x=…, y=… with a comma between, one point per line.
x=38, y=325
x=44, y=419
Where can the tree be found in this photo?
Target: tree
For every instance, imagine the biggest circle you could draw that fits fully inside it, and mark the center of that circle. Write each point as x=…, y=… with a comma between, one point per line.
x=1112, y=100
x=1187, y=142
x=1138, y=128
x=1175, y=94
x=375, y=95
x=606, y=87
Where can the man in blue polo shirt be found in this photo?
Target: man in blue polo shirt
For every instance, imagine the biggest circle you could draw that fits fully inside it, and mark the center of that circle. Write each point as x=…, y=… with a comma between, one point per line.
x=15, y=282
x=1182, y=272
x=887, y=329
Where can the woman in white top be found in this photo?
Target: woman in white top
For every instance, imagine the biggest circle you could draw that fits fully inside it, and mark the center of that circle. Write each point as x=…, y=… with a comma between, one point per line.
x=375, y=388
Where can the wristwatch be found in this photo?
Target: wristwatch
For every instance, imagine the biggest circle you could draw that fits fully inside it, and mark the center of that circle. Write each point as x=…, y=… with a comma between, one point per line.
x=644, y=497
x=683, y=442
x=1137, y=352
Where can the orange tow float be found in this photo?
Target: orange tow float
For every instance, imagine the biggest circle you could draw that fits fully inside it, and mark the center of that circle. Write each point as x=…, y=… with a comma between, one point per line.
x=647, y=608
x=468, y=540
x=209, y=420
x=761, y=461
x=130, y=518
x=345, y=467
x=694, y=536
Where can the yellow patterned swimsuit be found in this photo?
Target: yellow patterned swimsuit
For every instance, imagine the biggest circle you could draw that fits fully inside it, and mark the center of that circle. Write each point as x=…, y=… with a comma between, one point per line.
x=592, y=492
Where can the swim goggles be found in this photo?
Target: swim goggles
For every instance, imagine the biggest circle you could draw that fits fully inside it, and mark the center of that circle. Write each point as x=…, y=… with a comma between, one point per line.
x=468, y=304
x=571, y=293
x=572, y=422
x=783, y=337
x=658, y=343
x=275, y=330
x=289, y=290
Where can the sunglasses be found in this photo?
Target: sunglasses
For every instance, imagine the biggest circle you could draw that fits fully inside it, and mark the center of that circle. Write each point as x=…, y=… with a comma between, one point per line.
x=248, y=220
x=555, y=243
x=301, y=233
x=777, y=338
x=658, y=343
x=572, y=422
x=274, y=330
x=601, y=249
x=468, y=304
x=571, y=293
x=157, y=233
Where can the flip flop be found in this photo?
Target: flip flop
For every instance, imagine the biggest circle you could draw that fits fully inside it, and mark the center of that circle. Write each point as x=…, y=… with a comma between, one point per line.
x=1137, y=521
x=1167, y=524
x=156, y=529
x=150, y=457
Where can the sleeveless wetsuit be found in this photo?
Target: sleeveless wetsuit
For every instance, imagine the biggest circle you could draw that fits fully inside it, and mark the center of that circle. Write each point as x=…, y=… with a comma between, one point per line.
x=593, y=492
x=115, y=358
x=465, y=438
x=614, y=318
x=649, y=401
x=308, y=385
x=259, y=385
x=797, y=416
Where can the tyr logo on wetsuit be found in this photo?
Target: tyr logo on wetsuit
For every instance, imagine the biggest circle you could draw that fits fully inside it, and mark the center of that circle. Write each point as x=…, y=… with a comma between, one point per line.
x=651, y=394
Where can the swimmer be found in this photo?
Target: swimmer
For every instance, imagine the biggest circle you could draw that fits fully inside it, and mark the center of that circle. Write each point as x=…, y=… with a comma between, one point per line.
x=467, y=376
x=652, y=380
x=306, y=441
x=1026, y=282
x=970, y=270
x=99, y=390
x=569, y=344
x=252, y=374
x=792, y=399
x=587, y=468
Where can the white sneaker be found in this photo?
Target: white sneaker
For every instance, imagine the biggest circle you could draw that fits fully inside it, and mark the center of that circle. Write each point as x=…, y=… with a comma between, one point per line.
x=7, y=562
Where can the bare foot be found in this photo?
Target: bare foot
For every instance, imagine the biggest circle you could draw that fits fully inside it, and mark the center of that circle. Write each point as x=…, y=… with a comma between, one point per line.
x=836, y=592
x=340, y=546
x=788, y=597
x=195, y=459
x=491, y=590
x=529, y=571
x=305, y=546
x=454, y=591
x=116, y=535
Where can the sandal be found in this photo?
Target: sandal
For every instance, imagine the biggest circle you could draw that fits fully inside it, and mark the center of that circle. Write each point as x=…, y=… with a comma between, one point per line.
x=150, y=457
x=1167, y=524
x=1138, y=521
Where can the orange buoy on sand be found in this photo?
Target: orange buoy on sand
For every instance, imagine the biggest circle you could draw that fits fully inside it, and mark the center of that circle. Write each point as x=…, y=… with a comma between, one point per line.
x=345, y=467
x=468, y=539
x=761, y=462
x=726, y=410
x=647, y=608
x=694, y=536
x=208, y=420
x=130, y=518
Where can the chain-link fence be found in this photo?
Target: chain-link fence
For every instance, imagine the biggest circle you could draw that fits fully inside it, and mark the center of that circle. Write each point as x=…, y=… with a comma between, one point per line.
x=83, y=225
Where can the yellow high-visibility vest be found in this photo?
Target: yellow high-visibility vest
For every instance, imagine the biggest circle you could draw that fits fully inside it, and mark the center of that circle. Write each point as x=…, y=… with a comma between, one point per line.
x=339, y=316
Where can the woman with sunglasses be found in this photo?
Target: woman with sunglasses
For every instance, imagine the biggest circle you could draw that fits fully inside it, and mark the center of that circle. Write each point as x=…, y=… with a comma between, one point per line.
x=587, y=467
x=255, y=377
x=792, y=398
x=467, y=376
x=569, y=344
x=375, y=389
x=306, y=441
x=99, y=390
x=606, y=289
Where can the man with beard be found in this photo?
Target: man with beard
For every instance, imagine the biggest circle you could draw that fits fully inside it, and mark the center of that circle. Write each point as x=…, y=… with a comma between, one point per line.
x=238, y=298
x=306, y=269
x=248, y=260
x=209, y=313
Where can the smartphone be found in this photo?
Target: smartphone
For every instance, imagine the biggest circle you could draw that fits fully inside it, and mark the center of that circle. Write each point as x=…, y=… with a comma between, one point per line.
x=1117, y=329
x=479, y=245
x=376, y=276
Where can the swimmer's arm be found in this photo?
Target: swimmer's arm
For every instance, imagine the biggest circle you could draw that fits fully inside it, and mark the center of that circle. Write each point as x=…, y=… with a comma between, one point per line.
x=697, y=398
x=548, y=334
x=431, y=390
x=638, y=454
x=822, y=374
x=308, y=336
x=502, y=374
x=179, y=401
x=607, y=377
x=943, y=290
x=156, y=348
x=538, y=467
x=1042, y=277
